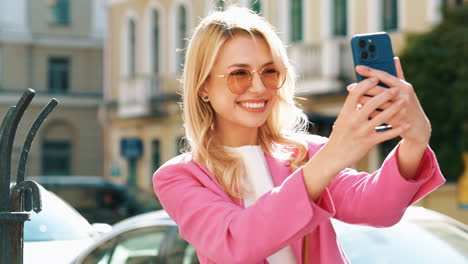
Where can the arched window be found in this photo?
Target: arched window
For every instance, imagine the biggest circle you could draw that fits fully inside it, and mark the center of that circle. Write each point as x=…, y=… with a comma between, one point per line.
x=155, y=41
x=256, y=6
x=339, y=17
x=181, y=36
x=390, y=15
x=132, y=47
x=295, y=9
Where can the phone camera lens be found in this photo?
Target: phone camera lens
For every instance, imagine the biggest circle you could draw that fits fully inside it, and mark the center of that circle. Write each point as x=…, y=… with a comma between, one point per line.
x=362, y=43
x=364, y=55
x=372, y=48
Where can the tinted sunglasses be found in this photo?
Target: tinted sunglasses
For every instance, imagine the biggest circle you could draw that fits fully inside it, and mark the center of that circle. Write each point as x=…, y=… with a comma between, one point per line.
x=240, y=80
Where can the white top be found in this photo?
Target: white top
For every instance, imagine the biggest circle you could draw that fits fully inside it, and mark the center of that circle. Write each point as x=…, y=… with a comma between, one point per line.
x=258, y=182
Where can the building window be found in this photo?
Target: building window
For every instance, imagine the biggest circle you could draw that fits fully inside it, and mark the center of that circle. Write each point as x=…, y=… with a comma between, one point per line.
x=339, y=17
x=56, y=157
x=296, y=20
x=156, y=157
x=155, y=41
x=59, y=12
x=256, y=6
x=181, y=35
x=132, y=48
x=59, y=74
x=220, y=5
x=390, y=15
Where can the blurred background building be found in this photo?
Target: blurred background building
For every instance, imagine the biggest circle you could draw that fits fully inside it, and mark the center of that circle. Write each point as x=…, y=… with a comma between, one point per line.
x=144, y=52
x=55, y=47
x=115, y=66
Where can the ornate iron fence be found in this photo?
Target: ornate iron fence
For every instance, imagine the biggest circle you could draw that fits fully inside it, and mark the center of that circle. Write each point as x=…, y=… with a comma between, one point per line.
x=17, y=199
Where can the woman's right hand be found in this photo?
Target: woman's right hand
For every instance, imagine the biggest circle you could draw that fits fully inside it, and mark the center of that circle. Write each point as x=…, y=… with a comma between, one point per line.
x=354, y=133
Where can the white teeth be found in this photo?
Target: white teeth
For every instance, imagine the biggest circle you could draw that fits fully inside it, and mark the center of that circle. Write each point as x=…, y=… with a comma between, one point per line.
x=253, y=105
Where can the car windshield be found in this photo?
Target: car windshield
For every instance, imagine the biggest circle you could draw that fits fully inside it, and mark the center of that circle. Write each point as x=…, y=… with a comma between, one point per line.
x=410, y=242
x=56, y=221
x=452, y=234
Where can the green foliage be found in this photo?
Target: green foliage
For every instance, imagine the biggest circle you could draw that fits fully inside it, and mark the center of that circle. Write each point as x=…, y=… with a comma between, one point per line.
x=436, y=63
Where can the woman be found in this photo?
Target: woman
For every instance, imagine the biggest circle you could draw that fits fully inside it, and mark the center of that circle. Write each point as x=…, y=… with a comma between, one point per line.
x=254, y=188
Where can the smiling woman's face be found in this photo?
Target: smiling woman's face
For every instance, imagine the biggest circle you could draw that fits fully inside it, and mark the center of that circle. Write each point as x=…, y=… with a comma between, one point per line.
x=238, y=114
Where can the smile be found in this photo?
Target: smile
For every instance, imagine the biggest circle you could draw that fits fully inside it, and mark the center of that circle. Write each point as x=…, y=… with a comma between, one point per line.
x=254, y=106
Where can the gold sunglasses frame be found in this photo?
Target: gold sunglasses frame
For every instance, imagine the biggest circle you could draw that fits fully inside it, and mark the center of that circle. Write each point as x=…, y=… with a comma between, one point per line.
x=260, y=72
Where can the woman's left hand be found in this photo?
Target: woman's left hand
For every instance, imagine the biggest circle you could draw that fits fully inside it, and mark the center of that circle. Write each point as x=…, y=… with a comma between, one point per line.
x=411, y=112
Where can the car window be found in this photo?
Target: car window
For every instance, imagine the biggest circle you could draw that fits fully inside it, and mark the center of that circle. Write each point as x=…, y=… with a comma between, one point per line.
x=57, y=221
x=181, y=252
x=136, y=246
x=106, y=204
x=402, y=243
x=149, y=202
x=190, y=256
x=87, y=196
x=101, y=254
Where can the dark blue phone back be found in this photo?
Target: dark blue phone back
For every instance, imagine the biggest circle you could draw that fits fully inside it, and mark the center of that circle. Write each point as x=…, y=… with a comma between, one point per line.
x=373, y=50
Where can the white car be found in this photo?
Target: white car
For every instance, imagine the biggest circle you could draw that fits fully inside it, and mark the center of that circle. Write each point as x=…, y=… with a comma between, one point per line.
x=422, y=236
x=57, y=233
x=147, y=238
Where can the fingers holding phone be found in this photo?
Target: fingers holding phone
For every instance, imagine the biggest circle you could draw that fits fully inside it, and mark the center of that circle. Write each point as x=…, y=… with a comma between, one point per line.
x=354, y=131
x=410, y=113
x=383, y=103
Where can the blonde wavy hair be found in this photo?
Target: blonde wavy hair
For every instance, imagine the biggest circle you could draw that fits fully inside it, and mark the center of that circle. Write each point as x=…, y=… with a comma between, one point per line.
x=282, y=134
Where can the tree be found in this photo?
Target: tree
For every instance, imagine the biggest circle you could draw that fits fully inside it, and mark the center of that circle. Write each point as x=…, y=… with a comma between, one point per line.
x=436, y=63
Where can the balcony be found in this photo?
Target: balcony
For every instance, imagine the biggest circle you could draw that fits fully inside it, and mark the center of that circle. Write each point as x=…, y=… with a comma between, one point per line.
x=323, y=67
x=147, y=95
x=66, y=98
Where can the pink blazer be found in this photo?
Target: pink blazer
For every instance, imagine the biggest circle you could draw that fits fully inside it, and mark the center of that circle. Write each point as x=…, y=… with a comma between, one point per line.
x=223, y=231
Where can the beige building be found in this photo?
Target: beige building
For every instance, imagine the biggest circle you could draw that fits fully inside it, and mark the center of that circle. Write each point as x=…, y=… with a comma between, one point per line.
x=56, y=48
x=144, y=52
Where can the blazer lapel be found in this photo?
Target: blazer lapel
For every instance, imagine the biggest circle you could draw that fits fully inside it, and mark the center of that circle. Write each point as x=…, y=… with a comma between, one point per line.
x=279, y=170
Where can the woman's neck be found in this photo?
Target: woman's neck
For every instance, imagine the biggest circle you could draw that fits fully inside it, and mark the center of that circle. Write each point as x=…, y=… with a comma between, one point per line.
x=238, y=137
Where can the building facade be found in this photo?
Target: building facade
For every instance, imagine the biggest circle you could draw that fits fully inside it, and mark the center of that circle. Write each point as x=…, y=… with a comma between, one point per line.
x=145, y=50
x=56, y=48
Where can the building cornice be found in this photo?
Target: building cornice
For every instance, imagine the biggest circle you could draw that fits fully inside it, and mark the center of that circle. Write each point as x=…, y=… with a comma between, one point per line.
x=66, y=42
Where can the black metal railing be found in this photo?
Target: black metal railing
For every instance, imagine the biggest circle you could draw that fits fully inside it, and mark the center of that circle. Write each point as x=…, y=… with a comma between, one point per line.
x=17, y=199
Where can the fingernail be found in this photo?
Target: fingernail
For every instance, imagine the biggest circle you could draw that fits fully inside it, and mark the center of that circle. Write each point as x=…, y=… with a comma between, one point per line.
x=373, y=80
x=362, y=68
x=350, y=87
x=395, y=90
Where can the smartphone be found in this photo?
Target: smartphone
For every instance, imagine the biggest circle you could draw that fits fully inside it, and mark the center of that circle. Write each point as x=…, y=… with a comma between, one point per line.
x=373, y=50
